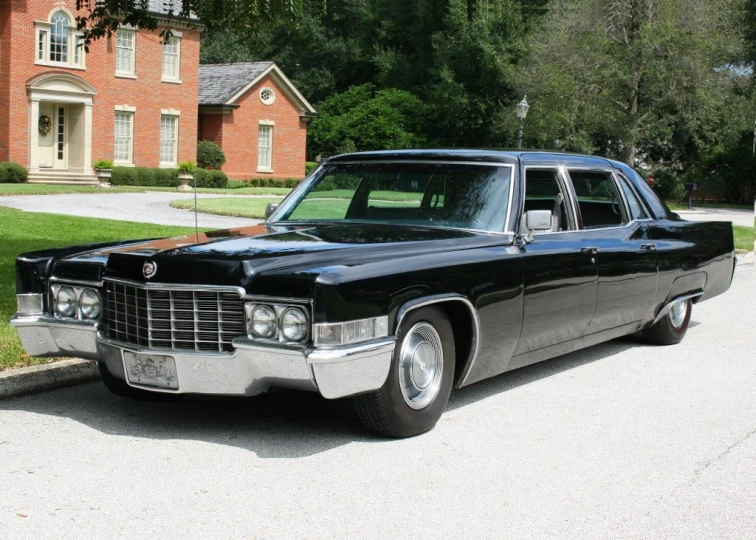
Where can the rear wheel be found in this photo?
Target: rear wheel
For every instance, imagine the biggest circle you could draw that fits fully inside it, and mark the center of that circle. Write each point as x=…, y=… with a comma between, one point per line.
x=672, y=327
x=420, y=380
x=119, y=387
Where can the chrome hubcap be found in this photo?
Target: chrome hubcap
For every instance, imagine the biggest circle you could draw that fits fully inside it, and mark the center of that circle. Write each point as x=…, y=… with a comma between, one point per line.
x=421, y=364
x=677, y=313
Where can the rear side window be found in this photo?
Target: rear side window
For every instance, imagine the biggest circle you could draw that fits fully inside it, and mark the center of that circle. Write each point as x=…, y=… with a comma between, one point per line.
x=597, y=199
x=637, y=211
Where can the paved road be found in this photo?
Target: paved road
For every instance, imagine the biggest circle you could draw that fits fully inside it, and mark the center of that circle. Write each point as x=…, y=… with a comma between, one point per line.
x=738, y=217
x=622, y=440
x=142, y=207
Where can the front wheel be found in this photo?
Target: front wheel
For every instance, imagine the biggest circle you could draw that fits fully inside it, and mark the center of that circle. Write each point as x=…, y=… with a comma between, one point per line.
x=671, y=328
x=419, y=382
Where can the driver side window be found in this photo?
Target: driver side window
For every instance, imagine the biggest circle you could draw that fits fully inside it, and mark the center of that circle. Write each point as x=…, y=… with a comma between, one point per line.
x=599, y=203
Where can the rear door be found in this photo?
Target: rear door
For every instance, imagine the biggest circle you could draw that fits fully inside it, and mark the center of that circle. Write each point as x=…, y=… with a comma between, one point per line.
x=615, y=227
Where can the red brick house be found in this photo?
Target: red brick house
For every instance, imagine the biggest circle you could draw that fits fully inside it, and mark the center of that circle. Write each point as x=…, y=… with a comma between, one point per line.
x=259, y=119
x=131, y=98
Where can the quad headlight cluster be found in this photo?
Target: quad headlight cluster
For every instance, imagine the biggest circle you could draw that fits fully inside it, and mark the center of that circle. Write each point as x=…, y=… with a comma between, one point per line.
x=71, y=302
x=276, y=322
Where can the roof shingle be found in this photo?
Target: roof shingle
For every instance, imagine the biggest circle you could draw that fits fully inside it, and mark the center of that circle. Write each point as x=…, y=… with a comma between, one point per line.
x=220, y=82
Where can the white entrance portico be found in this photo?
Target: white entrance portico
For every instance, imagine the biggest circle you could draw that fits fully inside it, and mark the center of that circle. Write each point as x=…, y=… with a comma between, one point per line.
x=60, y=129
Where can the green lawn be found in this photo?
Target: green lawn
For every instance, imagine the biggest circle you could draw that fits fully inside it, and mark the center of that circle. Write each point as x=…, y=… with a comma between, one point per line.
x=679, y=206
x=744, y=237
x=26, y=231
x=315, y=208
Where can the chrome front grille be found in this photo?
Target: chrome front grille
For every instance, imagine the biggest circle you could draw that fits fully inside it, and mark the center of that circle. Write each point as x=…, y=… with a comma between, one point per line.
x=194, y=320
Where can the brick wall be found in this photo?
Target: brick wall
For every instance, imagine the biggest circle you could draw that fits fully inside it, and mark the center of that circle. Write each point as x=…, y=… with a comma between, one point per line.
x=239, y=135
x=147, y=92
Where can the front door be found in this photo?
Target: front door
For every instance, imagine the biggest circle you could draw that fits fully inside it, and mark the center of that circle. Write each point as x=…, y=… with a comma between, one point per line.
x=53, y=136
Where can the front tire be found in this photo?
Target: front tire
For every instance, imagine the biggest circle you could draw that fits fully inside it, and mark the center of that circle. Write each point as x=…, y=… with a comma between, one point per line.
x=419, y=382
x=671, y=329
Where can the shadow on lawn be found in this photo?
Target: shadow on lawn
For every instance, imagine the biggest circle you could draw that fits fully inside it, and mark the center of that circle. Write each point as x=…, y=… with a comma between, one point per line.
x=283, y=424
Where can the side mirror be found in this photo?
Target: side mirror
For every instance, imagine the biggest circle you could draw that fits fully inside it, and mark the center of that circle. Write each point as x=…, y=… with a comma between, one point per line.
x=536, y=221
x=272, y=207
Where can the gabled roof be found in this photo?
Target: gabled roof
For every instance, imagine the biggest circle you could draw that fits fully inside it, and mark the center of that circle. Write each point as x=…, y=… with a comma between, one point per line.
x=225, y=84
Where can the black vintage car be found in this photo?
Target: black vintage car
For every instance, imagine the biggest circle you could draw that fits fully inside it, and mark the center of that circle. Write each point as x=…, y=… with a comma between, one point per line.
x=388, y=276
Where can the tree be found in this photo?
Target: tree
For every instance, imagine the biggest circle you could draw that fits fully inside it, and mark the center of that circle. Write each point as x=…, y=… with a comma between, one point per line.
x=105, y=16
x=363, y=118
x=641, y=80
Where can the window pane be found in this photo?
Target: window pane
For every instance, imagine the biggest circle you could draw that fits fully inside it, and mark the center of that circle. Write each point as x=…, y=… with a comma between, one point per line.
x=124, y=51
x=597, y=199
x=123, y=136
x=171, y=58
x=636, y=207
x=41, y=44
x=543, y=192
x=265, y=147
x=59, y=37
x=168, y=136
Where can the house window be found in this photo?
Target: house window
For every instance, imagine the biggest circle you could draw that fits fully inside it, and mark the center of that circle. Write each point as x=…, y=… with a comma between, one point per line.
x=265, y=148
x=125, y=45
x=172, y=58
x=168, y=140
x=57, y=44
x=124, y=138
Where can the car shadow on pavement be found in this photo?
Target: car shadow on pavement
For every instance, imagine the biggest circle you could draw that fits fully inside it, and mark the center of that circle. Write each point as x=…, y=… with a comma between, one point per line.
x=279, y=424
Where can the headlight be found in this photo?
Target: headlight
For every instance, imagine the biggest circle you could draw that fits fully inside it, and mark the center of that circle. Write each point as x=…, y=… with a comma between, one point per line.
x=263, y=322
x=294, y=324
x=89, y=303
x=65, y=302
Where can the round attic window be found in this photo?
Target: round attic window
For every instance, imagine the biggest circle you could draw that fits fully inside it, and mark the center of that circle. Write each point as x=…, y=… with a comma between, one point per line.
x=267, y=96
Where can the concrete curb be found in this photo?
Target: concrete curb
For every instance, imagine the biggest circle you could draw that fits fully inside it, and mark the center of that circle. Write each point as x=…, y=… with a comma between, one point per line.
x=746, y=258
x=16, y=382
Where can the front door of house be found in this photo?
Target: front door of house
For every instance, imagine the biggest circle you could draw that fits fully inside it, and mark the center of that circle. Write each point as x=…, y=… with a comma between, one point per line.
x=53, y=136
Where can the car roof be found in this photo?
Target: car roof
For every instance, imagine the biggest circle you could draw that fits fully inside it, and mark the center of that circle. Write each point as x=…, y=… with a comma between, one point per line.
x=476, y=155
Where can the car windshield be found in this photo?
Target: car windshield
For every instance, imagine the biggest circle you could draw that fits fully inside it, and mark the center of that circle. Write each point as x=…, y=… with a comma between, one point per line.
x=438, y=194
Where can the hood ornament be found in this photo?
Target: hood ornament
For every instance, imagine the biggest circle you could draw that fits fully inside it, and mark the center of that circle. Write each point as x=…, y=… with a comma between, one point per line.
x=149, y=269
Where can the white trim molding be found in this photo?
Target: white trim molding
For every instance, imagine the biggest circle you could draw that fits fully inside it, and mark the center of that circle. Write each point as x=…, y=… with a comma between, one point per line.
x=170, y=112
x=125, y=108
x=266, y=123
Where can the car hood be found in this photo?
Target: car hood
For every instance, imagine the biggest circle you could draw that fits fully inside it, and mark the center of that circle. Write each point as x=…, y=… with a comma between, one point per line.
x=235, y=256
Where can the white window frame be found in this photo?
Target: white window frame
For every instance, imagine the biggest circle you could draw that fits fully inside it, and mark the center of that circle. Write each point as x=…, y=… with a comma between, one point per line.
x=169, y=113
x=124, y=110
x=76, y=56
x=131, y=72
x=175, y=77
x=265, y=125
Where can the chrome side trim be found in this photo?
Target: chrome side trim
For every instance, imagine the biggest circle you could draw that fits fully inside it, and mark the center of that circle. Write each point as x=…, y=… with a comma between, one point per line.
x=421, y=161
x=665, y=309
x=440, y=298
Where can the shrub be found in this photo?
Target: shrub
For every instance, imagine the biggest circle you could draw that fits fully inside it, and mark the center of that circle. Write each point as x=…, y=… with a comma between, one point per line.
x=272, y=182
x=124, y=176
x=187, y=166
x=145, y=176
x=210, y=179
x=668, y=186
x=103, y=164
x=13, y=173
x=310, y=166
x=166, y=177
x=237, y=184
x=210, y=155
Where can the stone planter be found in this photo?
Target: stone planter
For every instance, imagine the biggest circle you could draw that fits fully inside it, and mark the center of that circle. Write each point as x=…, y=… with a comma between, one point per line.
x=104, y=176
x=185, y=178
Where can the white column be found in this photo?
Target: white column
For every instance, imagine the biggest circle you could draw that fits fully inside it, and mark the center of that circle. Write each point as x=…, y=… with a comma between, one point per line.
x=33, y=138
x=87, y=138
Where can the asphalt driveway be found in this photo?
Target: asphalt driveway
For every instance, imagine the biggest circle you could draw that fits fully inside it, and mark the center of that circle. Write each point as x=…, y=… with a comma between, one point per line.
x=622, y=440
x=152, y=207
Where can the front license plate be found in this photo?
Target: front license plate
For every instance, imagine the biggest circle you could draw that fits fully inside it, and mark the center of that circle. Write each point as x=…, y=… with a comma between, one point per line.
x=150, y=370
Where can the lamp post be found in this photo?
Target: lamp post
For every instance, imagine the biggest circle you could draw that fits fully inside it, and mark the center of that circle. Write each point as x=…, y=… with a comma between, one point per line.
x=522, y=112
x=754, y=137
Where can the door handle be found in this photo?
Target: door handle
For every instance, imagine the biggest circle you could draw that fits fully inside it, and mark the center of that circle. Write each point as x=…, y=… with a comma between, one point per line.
x=648, y=247
x=589, y=250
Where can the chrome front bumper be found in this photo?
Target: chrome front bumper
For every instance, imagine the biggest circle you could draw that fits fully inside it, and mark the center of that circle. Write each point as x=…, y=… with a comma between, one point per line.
x=251, y=369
